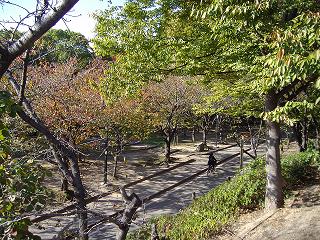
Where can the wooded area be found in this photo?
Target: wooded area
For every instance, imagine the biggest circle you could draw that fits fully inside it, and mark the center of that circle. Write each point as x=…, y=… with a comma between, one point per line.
x=156, y=69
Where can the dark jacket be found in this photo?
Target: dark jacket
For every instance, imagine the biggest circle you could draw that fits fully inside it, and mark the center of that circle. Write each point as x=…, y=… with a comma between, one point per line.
x=212, y=160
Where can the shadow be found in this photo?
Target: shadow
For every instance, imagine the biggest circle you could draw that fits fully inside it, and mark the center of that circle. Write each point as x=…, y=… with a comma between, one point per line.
x=169, y=203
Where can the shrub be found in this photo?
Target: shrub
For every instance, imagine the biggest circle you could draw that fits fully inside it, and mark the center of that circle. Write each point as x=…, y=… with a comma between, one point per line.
x=21, y=191
x=21, y=188
x=296, y=167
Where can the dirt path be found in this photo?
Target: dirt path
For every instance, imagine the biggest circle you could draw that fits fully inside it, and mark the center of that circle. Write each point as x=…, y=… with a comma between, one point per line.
x=169, y=203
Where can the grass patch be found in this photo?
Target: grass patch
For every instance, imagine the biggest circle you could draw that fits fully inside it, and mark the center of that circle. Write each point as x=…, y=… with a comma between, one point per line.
x=208, y=214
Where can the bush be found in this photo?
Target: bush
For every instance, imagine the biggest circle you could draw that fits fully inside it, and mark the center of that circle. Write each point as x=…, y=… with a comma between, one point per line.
x=21, y=188
x=21, y=191
x=296, y=168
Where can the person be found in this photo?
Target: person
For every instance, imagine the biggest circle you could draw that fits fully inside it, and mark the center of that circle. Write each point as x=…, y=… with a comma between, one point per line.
x=211, y=163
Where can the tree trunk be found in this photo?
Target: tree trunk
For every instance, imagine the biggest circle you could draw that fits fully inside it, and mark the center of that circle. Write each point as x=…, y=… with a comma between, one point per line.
x=176, y=138
x=193, y=134
x=133, y=202
x=217, y=130
x=83, y=218
x=204, y=136
x=59, y=149
x=64, y=184
x=105, y=169
x=317, y=140
x=167, y=149
x=80, y=195
x=115, y=166
x=274, y=194
x=304, y=135
x=154, y=232
x=298, y=136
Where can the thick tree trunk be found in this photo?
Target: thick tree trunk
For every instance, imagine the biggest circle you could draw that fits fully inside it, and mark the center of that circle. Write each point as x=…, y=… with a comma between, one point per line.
x=80, y=195
x=73, y=176
x=274, y=194
x=204, y=136
x=133, y=202
x=83, y=218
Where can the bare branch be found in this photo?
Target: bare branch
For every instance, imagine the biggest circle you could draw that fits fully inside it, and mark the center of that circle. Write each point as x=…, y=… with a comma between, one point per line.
x=127, y=199
x=25, y=102
x=17, y=5
x=40, y=27
x=24, y=77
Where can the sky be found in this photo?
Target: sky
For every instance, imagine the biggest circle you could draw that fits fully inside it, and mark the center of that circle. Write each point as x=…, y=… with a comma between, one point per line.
x=82, y=23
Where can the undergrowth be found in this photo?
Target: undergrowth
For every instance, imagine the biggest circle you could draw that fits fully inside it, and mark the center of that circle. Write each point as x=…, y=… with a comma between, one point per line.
x=208, y=214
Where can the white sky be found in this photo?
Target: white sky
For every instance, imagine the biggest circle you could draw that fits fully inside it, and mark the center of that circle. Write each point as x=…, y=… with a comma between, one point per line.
x=83, y=23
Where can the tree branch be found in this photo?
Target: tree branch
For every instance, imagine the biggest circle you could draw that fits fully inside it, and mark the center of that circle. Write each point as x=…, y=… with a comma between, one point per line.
x=24, y=77
x=25, y=102
x=7, y=55
x=40, y=27
x=294, y=94
x=287, y=88
x=290, y=90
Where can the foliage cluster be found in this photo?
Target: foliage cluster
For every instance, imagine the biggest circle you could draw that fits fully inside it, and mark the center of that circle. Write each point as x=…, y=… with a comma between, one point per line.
x=296, y=168
x=21, y=192
x=57, y=90
x=67, y=45
x=168, y=103
x=21, y=188
x=209, y=213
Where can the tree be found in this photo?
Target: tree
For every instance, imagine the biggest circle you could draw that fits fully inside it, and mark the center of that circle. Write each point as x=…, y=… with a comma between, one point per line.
x=150, y=40
x=126, y=123
x=283, y=55
x=64, y=97
x=166, y=105
x=271, y=46
x=47, y=15
x=67, y=44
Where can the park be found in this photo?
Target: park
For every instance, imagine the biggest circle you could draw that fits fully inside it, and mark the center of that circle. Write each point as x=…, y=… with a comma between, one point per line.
x=177, y=120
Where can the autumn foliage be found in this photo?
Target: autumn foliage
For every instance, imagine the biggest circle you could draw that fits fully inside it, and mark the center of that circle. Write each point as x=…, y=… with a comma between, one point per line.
x=66, y=100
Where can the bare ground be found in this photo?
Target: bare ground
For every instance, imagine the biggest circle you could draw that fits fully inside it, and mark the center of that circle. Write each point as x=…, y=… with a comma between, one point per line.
x=298, y=220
